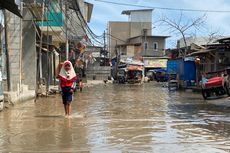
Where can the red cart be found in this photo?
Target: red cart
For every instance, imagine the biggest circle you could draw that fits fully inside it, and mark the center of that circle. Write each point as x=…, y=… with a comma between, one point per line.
x=215, y=86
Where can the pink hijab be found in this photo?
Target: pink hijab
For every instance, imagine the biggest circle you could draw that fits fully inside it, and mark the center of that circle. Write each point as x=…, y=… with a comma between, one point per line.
x=67, y=75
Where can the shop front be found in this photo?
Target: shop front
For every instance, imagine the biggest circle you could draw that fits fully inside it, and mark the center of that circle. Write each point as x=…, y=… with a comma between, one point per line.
x=151, y=63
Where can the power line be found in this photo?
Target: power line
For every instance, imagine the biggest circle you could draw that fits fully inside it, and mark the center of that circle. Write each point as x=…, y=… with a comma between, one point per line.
x=51, y=8
x=82, y=20
x=115, y=37
x=165, y=8
x=70, y=21
x=88, y=31
x=81, y=26
x=55, y=19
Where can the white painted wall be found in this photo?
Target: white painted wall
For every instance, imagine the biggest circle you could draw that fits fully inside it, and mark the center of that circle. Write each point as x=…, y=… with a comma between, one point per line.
x=141, y=16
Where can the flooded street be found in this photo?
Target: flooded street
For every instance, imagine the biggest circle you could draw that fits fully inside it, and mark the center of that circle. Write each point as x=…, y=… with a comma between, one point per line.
x=118, y=118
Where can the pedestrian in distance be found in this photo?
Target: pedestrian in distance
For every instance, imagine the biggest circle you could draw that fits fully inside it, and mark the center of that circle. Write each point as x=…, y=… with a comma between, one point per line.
x=67, y=76
x=80, y=85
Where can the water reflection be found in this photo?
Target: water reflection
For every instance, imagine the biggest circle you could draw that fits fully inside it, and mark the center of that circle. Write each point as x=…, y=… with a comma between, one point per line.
x=114, y=118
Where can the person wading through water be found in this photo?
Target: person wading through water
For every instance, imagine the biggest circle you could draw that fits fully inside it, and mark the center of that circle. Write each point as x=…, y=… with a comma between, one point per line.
x=67, y=76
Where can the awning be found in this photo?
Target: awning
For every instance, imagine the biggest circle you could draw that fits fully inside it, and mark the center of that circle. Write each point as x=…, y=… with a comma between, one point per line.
x=10, y=6
x=134, y=68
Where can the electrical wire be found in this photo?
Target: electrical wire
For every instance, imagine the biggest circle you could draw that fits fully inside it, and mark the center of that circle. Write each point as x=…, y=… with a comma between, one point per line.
x=70, y=21
x=83, y=20
x=115, y=37
x=87, y=31
x=165, y=8
x=49, y=9
x=93, y=36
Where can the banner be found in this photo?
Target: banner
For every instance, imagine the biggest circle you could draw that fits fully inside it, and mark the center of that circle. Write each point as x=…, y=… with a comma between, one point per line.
x=155, y=63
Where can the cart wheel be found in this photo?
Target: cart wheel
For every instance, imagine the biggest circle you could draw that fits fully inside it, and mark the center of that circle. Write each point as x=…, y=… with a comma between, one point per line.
x=205, y=94
x=223, y=92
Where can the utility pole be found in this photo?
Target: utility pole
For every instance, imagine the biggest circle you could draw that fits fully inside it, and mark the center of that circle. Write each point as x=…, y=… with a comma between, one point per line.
x=7, y=52
x=20, y=53
x=47, y=53
x=145, y=41
x=40, y=44
x=39, y=71
x=116, y=69
x=104, y=41
x=66, y=22
x=104, y=49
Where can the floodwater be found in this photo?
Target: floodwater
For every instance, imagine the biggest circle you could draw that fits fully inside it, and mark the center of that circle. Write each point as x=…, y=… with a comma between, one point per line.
x=118, y=118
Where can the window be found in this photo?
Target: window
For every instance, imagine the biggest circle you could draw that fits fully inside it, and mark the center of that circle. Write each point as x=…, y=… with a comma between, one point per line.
x=155, y=46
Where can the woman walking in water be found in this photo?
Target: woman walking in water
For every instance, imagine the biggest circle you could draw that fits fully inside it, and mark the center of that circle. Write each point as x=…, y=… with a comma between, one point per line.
x=67, y=76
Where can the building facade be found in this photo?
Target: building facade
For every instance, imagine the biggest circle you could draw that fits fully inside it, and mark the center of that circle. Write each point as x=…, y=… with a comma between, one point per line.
x=134, y=39
x=31, y=48
x=120, y=32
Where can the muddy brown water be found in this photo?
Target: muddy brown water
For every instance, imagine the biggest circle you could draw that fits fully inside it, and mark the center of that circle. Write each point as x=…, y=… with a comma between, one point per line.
x=118, y=118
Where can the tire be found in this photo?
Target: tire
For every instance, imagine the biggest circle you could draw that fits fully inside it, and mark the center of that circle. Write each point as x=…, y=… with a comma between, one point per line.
x=223, y=92
x=205, y=94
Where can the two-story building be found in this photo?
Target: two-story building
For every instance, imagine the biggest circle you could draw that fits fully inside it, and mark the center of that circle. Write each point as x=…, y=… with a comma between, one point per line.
x=134, y=39
x=31, y=51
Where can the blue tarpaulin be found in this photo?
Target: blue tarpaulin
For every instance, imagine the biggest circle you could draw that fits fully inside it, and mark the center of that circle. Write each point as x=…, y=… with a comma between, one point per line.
x=185, y=69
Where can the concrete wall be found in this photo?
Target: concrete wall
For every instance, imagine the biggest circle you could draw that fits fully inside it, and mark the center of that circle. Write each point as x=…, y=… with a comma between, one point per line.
x=130, y=50
x=124, y=31
x=160, y=41
x=138, y=27
x=150, y=50
x=94, y=69
x=14, y=46
x=29, y=56
x=141, y=16
x=19, y=92
x=100, y=72
x=120, y=30
x=136, y=40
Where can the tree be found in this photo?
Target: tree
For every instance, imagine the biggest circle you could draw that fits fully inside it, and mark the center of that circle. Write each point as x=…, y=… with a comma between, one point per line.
x=213, y=36
x=184, y=26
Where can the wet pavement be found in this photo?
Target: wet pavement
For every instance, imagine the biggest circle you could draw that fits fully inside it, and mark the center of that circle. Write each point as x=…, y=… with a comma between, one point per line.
x=119, y=118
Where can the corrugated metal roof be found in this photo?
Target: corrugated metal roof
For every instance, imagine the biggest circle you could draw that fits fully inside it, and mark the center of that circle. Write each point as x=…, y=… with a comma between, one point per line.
x=201, y=52
x=224, y=40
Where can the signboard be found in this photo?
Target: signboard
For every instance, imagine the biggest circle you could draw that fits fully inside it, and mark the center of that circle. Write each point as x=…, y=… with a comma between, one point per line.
x=134, y=67
x=155, y=63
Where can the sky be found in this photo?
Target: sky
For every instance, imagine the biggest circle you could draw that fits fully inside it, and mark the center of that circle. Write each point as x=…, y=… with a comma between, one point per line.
x=214, y=22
